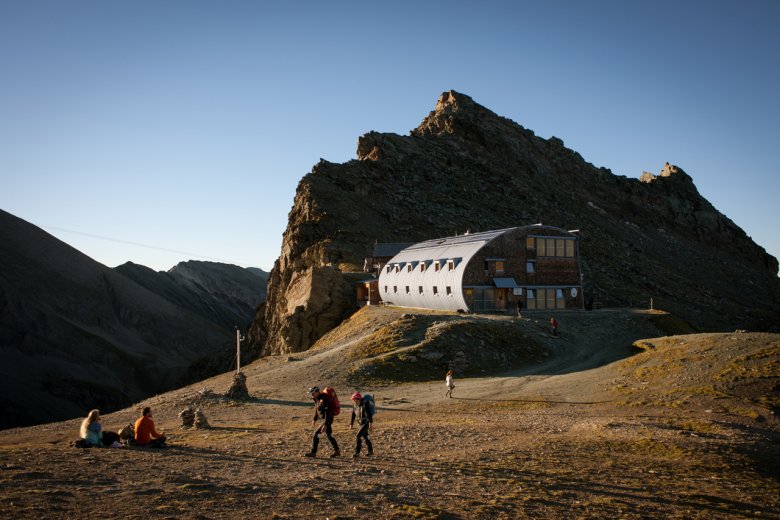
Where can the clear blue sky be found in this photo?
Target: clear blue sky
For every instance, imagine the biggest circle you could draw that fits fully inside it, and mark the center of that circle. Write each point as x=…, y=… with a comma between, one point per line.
x=186, y=125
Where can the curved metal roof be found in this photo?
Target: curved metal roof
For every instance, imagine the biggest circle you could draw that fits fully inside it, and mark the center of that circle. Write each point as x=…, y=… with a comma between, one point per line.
x=412, y=279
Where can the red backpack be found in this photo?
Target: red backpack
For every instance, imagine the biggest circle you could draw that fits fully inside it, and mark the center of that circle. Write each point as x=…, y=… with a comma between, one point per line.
x=333, y=400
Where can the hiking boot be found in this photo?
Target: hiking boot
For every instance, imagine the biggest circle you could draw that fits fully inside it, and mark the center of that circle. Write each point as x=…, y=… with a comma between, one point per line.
x=310, y=454
x=335, y=454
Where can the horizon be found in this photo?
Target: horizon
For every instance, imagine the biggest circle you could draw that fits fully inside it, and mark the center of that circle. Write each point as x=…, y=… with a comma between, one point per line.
x=160, y=133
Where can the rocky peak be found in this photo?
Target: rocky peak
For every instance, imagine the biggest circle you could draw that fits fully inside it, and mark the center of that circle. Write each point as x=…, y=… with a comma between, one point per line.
x=465, y=167
x=668, y=170
x=456, y=113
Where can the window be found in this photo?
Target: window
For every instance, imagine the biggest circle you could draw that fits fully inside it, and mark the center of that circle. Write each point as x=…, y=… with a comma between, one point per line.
x=550, y=246
x=494, y=265
x=395, y=289
x=560, y=247
x=385, y=289
x=407, y=289
x=397, y=268
x=570, y=248
x=530, y=299
x=530, y=266
x=409, y=268
x=422, y=266
x=436, y=266
x=468, y=295
x=530, y=243
x=450, y=265
x=449, y=290
x=484, y=299
x=550, y=299
x=435, y=290
x=419, y=288
x=389, y=267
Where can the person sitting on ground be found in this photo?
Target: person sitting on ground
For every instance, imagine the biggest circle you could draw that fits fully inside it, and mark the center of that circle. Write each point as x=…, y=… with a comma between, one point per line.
x=145, y=432
x=92, y=430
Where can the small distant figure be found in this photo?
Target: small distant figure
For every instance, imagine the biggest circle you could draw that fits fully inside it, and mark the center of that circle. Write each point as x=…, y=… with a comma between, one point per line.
x=449, y=383
x=362, y=411
x=554, y=325
x=323, y=409
x=519, y=308
x=145, y=432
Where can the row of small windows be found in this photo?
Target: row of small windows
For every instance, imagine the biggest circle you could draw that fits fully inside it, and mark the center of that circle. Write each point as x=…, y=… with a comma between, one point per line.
x=410, y=266
x=448, y=290
x=488, y=298
x=563, y=247
x=544, y=299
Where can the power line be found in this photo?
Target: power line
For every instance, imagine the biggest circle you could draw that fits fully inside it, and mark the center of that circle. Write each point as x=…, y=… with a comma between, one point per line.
x=138, y=244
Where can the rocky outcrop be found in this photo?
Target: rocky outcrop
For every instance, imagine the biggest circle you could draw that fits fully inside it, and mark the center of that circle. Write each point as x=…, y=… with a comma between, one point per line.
x=465, y=167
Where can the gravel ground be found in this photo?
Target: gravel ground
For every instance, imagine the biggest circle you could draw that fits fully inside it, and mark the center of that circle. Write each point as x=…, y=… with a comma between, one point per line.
x=684, y=429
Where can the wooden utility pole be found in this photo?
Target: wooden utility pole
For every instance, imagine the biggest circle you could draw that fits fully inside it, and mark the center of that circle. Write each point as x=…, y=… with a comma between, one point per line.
x=239, y=339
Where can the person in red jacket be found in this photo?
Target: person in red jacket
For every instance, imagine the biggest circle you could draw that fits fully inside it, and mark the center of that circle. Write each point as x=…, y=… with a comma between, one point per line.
x=554, y=325
x=145, y=433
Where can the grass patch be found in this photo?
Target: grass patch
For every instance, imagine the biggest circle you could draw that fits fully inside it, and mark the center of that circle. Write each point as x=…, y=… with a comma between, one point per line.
x=424, y=347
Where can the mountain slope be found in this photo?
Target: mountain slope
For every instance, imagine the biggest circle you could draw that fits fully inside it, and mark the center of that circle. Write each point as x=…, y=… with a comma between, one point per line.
x=75, y=334
x=466, y=168
x=223, y=293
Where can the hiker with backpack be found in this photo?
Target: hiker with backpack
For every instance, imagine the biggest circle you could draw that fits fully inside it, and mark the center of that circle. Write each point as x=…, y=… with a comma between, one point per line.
x=326, y=407
x=362, y=410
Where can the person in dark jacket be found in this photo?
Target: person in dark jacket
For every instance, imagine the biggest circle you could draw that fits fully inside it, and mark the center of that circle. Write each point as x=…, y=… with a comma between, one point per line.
x=322, y=410
x=361, y=410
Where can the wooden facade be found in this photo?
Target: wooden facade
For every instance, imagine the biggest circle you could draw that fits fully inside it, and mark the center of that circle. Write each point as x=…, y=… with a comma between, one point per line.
x=367, y=291
x=543, y=262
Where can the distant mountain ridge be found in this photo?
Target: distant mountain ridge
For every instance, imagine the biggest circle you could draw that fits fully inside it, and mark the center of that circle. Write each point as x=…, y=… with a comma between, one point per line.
x=466, y=168
x=223, y=293
x=75, y=334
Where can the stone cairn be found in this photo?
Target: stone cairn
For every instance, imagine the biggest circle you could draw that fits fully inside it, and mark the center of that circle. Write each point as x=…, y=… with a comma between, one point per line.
x=187, y=418
x=200, y=419
x=193, y=419
x=238, y=389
